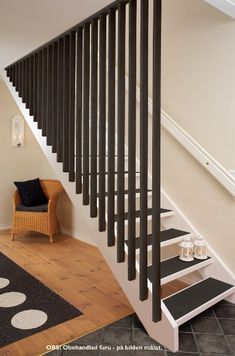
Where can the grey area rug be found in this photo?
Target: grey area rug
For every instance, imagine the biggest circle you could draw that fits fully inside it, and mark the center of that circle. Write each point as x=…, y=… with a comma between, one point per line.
x=26, y=305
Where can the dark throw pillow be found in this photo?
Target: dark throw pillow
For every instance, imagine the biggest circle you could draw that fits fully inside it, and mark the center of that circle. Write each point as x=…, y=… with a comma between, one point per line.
x=31, y=192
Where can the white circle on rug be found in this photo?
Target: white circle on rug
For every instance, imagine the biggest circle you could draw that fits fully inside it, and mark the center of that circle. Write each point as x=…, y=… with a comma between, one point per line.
x=29, y=319
x=11, y=299
x=4, y=282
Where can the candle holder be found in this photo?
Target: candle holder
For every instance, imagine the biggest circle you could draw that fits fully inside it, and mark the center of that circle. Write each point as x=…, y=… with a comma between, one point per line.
x=200, y=248
x=186, y=250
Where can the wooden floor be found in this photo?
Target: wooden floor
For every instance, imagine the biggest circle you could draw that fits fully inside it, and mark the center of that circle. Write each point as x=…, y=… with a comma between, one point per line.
x=78, y=273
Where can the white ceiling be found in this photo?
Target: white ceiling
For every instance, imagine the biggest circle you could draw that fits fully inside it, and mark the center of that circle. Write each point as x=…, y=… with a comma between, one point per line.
x=26, y=24
x=226, y=6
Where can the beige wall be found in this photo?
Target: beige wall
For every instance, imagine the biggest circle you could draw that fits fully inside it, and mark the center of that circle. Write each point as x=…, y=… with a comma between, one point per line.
x=16, y=164
x=198, y=73
x=205, y=202
x=198, y=77
x=198, y=88
x=22, y=164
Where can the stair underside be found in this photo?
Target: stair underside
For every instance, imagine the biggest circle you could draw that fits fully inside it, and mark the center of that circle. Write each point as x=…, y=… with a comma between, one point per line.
x=193, y=300
x=167, y=237
x=174, y=268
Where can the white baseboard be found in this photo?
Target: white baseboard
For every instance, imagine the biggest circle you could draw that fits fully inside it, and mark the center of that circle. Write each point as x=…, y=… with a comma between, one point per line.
x=78, y=236
x=5, y=226
x=75, y=234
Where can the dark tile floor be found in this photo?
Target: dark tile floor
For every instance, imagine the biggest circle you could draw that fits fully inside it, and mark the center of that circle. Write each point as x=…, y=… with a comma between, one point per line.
x=209, y=334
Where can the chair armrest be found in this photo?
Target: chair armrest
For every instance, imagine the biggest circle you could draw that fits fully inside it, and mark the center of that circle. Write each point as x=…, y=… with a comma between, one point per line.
x=52, y=205
x=16, y=199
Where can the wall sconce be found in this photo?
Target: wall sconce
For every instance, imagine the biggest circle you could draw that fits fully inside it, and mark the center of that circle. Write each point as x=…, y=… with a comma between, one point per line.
x=17, y=131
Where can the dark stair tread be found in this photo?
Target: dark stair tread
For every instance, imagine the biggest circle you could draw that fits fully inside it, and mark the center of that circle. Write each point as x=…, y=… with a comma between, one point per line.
x=172, y=234
x=174, y=265
x=165, y=235
x=195, y=296
x=125, y=192
x=137, y=213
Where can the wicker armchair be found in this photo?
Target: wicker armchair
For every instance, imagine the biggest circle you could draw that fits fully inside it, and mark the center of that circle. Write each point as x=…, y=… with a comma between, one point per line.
x=43, y=222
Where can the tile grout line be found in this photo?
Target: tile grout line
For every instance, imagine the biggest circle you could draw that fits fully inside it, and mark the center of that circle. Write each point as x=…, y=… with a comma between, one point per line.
x=223, y=333
x=195, y=338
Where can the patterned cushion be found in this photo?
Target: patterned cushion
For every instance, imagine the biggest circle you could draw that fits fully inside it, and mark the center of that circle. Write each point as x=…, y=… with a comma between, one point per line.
x=36, y=209
x=31, y=193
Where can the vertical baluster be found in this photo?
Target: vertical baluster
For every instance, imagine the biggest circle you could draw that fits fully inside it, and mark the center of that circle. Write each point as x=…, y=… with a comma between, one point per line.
x=8, y=72
x=20, y=79
x=132, y=142
x=31, y=88
x=23, y=79
x=86, y=93
x=121, y=132
x=54, y=95
x=72, y=106
x=25, y=76
x=102, y=120
x=60, y=101
x=13, y=74
x=17, y=76
x=156, y=163
x=143, y=148
x=111, y=124
x=44, y=92
x=27, y=83
x=35, y=86
x=40, y=88
x=66, y=105
x=49, y=96
x=79, y=111
x=94, y=106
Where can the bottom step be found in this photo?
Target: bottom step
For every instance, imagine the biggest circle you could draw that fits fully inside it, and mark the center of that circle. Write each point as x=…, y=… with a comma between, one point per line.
x=193, y=300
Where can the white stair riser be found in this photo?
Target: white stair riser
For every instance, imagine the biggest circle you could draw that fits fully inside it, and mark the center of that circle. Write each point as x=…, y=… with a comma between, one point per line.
x=163, y=218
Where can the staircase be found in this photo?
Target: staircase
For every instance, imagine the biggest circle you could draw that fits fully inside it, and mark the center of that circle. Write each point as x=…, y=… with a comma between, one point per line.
x=68, y=94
